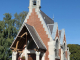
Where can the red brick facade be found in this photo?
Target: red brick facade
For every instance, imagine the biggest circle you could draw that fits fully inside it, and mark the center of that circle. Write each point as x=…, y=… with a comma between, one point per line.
x=35, y=21
x=66, y=54
x=60, y=53
x=57, y=33
x=64, y=38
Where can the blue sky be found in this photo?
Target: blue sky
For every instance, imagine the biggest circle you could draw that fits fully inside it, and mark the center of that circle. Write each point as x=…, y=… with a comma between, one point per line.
x=66, y=14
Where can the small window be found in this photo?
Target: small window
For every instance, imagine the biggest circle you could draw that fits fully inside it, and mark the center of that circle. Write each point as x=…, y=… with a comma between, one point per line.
x=34, y=2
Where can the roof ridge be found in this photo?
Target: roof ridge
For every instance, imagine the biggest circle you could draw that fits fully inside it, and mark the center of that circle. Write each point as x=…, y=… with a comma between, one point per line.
x=46, y=15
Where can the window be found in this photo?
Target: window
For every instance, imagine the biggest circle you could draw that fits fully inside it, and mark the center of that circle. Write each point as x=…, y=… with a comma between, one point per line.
x=34, y=2
x=57, y=46
x=64, y=46
x=64, y=55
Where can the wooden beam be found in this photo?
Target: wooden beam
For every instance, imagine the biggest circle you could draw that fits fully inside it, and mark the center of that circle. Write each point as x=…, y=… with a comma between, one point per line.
x=14, y=48
x=20, y=51
x=24, y=34
x=21, y=37
x=17, y=44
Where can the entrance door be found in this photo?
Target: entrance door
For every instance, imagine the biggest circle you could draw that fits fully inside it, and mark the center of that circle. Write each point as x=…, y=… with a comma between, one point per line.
x=31, y=56
x=57, y=59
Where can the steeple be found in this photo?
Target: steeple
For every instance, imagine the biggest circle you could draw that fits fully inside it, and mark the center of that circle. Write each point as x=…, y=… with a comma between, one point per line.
x=34, y=4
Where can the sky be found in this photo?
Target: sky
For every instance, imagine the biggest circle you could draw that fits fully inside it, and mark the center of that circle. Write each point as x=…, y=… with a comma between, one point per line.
x=66, y=13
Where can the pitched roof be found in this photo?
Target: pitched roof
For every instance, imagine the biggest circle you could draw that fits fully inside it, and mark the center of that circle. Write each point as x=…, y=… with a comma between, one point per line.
x=61, y=34
x=47, y=19
x=34, y=36
x=50, y=26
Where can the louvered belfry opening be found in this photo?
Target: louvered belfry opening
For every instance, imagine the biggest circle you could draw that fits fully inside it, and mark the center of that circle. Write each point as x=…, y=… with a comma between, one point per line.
x=34, y=2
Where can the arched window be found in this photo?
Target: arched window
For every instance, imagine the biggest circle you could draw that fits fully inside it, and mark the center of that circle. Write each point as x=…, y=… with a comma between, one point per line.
x=64, y=48
x=57, y=48
x=57, y=44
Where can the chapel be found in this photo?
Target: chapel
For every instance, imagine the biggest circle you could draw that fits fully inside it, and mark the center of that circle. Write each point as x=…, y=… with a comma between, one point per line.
x=39, y=37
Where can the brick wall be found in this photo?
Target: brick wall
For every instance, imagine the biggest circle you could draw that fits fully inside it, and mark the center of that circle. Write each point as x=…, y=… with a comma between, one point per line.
x=60, y=53
x=35, y=21
x=66, y=54
x=64, y=38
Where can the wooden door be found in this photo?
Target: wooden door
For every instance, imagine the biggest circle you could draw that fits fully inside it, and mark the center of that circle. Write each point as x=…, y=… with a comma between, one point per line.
x=31, y=56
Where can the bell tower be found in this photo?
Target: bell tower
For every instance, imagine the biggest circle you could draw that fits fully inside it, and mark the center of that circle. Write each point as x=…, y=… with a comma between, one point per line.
x=34, y=4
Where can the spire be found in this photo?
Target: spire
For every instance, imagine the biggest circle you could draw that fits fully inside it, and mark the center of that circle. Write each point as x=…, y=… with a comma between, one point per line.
x=53, y=17
x=34, y=4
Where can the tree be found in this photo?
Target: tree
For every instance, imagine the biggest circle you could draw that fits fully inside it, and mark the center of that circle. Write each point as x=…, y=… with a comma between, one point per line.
x=8, y=31
x=1, y=38
x=75, y=51
x=19, y=18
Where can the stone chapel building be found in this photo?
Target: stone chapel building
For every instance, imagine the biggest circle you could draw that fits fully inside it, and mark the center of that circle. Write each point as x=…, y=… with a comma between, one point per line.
x=39, y=37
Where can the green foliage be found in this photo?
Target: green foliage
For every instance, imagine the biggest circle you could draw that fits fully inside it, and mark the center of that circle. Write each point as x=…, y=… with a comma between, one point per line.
x=75, y=51
x=8, y=31
x=23, y=57
x=7, y=34
x=19, y=18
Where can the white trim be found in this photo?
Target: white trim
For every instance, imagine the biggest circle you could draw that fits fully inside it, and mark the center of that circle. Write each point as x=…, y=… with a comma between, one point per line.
x=51, y=48
x=27, y=17
x=14, y=55
x=43, y=57
x=62, y=36
x=54, y=30
x=65, y=45
x=49, y=29
x=68, y=53
x=62, y=54
x=37, y=4
x=43, y=23
x=37, y=55
x=58, y=41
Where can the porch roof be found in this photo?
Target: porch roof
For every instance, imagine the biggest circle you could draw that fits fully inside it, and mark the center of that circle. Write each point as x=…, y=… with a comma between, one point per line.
x=33, y=34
